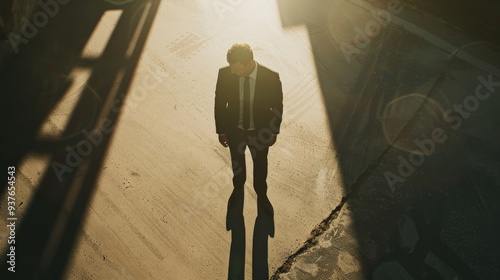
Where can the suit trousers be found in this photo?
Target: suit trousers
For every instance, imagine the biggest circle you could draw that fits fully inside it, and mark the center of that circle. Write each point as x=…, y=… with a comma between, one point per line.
x=238, y=141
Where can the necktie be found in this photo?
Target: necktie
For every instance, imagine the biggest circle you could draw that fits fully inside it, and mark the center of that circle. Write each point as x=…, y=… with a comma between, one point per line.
x=246, y=103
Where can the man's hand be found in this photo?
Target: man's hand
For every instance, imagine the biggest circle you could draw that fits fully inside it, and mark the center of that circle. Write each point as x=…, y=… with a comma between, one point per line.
x=223, y=140
x=272, y=140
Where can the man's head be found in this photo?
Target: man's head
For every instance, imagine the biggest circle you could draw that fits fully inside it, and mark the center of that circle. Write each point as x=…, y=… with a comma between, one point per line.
x=240, y=59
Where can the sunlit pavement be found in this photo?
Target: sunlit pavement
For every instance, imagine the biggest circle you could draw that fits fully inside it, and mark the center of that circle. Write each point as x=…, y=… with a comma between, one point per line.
x=409, y=188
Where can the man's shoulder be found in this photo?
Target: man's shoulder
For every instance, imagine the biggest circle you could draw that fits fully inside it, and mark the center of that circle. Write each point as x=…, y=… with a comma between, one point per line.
x=225, y=74
x=266, y=71
x=225, y=70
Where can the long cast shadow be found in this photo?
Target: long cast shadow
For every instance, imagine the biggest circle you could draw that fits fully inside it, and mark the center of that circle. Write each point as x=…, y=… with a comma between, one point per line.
x=263, y=229
x=235, y=222
x=359, y=86
x=35, y=81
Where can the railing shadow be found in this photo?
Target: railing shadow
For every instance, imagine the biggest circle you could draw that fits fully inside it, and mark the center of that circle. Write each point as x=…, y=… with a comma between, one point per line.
x=35, y=81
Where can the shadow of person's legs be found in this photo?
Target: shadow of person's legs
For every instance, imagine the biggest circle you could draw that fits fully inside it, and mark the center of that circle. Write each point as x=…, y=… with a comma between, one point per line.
x=236, y=223
x=264, y=227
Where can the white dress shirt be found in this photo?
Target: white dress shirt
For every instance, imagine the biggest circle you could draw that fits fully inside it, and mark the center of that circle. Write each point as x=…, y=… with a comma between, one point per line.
x=252, y=80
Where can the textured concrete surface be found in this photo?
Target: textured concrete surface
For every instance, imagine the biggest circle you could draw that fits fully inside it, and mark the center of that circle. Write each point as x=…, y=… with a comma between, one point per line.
x=372, y=177
x=420, y=110
x=159, y=207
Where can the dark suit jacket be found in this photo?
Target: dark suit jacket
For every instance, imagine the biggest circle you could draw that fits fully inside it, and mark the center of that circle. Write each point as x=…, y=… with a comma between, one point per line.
x=267, y=104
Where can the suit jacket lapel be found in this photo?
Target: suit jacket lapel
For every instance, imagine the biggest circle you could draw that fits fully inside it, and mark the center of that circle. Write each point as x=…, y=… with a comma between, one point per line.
x=235, y=90
x=258, y=83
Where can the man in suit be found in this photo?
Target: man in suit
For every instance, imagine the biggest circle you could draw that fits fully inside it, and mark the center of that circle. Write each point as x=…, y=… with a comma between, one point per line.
x=248, y=113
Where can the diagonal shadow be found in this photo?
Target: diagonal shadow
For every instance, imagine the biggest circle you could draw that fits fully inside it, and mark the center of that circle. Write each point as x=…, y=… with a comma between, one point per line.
x=50, y=227
x=473, y=18
x=356, y=89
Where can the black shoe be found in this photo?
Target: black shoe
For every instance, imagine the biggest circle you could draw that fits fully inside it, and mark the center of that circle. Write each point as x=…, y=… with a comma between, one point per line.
x=266, y=206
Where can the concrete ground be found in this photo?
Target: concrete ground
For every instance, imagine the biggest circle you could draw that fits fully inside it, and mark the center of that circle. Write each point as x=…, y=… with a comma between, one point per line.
x=387, y=165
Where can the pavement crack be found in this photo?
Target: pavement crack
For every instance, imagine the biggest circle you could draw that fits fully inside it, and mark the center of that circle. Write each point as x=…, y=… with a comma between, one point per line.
x=311, y=240
x=318, y=230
